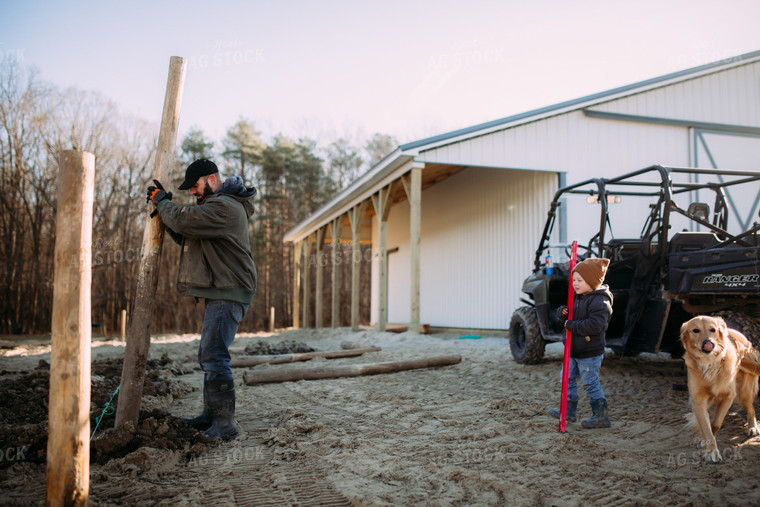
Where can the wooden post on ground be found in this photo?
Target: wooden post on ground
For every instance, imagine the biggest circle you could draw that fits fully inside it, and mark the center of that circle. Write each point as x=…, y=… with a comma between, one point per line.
x=271, y=319
x=253, y=377
x=138, y=338
x=68, y=445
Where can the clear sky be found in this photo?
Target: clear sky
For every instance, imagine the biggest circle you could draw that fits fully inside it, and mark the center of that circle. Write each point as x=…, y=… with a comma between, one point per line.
x=328, y=68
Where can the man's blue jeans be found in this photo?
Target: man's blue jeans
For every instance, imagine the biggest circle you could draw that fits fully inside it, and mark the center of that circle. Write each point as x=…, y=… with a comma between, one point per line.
x=220, y=323
x=587, y=370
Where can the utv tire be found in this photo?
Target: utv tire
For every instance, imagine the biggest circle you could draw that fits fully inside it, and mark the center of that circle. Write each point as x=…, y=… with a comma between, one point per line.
x=525, y=338
x=745, y=324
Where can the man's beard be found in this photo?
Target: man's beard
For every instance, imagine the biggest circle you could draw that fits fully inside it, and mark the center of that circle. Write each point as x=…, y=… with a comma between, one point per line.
x=206, y=192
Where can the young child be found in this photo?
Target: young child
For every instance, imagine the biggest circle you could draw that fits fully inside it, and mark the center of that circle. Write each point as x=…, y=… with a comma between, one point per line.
x=591, y=316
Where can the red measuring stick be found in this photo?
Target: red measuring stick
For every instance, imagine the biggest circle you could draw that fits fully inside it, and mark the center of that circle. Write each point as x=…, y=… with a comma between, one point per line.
x=568, y=338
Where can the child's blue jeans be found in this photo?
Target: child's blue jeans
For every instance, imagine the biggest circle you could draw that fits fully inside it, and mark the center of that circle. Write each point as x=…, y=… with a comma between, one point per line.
x=587, y=370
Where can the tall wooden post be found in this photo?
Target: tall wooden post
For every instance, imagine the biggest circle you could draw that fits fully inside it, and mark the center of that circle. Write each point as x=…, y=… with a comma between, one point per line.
x=68, y=445
x=357, y=218
x=319, y=290
x=337, y=233
x=138, y=338
x=382, y=203
x=413, y=186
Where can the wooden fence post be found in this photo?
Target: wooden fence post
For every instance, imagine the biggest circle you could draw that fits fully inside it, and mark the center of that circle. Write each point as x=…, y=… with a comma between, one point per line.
x=138, y=338
x=68, y=445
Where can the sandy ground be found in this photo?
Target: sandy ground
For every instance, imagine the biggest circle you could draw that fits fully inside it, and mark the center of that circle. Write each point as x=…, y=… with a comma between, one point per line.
x=477, y=433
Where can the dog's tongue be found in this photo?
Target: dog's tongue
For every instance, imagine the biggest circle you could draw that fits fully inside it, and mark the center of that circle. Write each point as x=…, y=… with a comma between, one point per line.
x=707, y=346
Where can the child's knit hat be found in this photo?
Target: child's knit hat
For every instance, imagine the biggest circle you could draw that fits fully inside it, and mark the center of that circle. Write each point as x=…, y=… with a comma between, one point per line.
x=592, y=271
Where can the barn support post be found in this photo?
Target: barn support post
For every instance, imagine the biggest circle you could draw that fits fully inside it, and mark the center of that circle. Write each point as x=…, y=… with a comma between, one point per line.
x=138, y=338
x=68, y=445
x=413, y=186
x=297, y=252
x=382, y=204
x=306, y=282
x=337, y=232
x=357, y=218
x=319, y=290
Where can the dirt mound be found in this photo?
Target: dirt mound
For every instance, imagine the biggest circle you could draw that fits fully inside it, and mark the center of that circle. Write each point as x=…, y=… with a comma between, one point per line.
x=260, y=348
x=24, y=418
x=157, y=430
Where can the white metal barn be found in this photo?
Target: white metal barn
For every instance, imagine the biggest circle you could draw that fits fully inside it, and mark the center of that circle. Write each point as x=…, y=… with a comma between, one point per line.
x=454, y=219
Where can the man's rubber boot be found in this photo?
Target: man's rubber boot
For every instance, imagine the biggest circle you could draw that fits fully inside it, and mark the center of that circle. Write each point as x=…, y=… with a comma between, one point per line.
x=572, y=410
x=600, y=419
x=221, y=401
x=203, y=421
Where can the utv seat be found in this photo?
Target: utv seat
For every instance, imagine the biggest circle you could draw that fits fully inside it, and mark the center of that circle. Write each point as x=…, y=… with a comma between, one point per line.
x=692, y=241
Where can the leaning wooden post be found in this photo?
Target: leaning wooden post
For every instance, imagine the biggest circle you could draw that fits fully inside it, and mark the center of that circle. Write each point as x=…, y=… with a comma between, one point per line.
x=68, y=445
x=138, y=337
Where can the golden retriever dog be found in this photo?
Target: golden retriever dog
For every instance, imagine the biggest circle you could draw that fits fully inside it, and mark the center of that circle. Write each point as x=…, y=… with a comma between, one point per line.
x=721, y=365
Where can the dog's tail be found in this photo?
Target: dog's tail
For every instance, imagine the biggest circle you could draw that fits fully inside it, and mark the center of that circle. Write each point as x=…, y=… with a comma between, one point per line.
x=691, y=420
x=750, y=362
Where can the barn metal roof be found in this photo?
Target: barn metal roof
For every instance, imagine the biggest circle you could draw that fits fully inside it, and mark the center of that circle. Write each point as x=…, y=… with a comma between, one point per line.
x=399, y=160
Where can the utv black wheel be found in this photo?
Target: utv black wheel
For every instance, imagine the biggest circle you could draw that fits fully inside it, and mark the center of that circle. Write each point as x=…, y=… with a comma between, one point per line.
x=745, y=324
x=525, y=338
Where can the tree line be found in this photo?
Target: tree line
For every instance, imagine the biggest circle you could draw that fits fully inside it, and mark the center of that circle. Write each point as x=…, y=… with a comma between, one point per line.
x=38, y=121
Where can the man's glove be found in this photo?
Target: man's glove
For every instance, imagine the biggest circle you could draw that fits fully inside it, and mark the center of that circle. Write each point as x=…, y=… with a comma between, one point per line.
x=156, y=193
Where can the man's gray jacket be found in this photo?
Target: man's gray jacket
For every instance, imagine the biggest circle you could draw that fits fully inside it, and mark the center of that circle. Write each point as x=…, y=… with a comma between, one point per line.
x=216, y=260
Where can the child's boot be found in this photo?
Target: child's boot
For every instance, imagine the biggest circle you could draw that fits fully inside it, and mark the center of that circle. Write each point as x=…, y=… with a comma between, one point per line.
x=572, y=410
x=600, y=419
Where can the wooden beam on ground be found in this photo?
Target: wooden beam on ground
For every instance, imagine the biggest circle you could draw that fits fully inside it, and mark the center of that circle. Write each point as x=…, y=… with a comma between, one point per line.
x=138, y=338
x=357, y=218
x=291, y=374
x=337, y=231
x=319, y=290
x=239, y=362
x=68, y=444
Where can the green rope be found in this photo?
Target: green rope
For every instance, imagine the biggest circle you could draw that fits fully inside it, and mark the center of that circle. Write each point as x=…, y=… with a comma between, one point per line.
x=107, y=410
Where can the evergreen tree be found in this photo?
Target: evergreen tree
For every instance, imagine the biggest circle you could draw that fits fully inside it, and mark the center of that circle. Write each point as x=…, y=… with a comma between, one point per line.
x=242, y=149
x=196, y=145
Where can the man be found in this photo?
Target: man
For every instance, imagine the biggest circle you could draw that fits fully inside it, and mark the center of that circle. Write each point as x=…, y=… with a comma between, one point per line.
x=215, y=265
